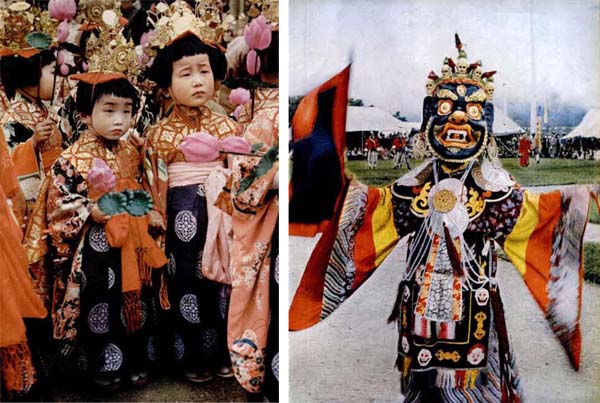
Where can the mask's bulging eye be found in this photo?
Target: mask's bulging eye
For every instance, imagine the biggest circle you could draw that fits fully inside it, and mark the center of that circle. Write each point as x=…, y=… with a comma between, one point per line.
x=444, y=107
x=474, y=112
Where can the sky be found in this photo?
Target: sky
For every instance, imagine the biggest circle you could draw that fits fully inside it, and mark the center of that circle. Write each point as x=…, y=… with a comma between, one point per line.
x=394, y=44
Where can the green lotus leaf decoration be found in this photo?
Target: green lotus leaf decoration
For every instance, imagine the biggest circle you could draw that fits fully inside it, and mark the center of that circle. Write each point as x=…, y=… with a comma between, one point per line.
x=39, y=40
x=113, y=203
x=139, y=202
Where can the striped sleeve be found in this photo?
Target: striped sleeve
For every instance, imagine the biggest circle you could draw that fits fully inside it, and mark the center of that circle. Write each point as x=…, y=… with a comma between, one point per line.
x=546, y=247
x=365, y=235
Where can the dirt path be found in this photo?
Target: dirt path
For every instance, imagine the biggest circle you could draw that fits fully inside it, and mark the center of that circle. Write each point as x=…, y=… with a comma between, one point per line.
x=350, y=356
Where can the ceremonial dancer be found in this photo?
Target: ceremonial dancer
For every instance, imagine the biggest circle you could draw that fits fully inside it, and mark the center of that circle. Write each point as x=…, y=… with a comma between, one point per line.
x=453, y=344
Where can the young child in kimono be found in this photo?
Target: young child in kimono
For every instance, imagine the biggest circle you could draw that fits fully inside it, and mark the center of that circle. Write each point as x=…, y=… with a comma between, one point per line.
x=30, y=131
x=188, y=69
x=102, y=294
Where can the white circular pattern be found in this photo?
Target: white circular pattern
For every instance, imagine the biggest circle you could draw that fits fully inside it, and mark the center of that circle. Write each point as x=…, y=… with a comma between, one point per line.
x=171, y=265
x=111, y=278
x=275, y=366
x=185, y=225
x=209, y=340
x=179, y=348
x=188, y=306
x=98, y=240
x=144, y=314
x=113, y=358
x=151, y=350
x=98, y=318
x=276, y=274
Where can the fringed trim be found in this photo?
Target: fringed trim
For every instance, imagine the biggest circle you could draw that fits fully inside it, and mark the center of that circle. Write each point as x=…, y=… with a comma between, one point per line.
x=18, y=374
x=133, y=311
x=144, y=267
x=444, y=378
x=395, y=314
x=163, y=292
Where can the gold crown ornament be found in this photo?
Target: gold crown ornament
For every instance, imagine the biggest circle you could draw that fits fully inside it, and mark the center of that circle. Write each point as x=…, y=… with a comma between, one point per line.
x=109, y=55
x=89, y=13
x=462, y=71
x=26, y=30
x=268, y=8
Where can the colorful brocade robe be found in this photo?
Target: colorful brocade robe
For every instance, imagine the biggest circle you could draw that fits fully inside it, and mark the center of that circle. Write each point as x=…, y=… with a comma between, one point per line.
x=450, y=318
x=163, y=140
x=251, y=327
x=18, y=125
x=55, y=234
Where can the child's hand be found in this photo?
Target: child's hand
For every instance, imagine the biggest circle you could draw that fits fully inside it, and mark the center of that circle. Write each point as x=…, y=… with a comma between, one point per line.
x=156, y=220
x=42, y=132
x=99, y=216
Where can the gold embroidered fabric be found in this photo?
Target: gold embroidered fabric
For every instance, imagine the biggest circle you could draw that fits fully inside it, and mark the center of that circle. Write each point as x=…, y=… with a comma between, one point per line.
x=266, y=101
x=165, y=137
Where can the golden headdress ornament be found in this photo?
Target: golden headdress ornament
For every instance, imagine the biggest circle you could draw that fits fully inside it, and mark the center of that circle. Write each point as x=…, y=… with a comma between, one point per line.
x=89, y=13
x=109, y=55
x=268, y=8
x=26, y=30
x=463, y=72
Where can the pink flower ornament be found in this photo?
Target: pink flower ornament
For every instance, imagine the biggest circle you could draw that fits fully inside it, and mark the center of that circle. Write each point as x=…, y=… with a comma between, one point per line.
x=101, y=178
x=239, y=96
x=257, y=34
x=252, y=62
x=62, y=9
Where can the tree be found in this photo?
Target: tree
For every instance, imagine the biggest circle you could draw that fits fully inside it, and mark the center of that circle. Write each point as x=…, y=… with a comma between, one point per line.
x=355, y=102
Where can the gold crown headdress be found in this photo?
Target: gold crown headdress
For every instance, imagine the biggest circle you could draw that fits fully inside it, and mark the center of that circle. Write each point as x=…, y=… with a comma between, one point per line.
x=175, y=21
x=109, y=55
x=89, y=13
x=26, y=30
x=268, y=8
x=464, y=72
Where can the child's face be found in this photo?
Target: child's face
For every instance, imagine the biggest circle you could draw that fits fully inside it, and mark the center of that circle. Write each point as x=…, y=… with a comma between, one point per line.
x=46, y=82
x=111, y=117
x=192, y=81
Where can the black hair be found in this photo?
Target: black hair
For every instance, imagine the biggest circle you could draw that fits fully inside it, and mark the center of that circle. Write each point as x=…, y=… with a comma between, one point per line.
x=20, y=72
x=162, y=68
x=88, y=94
x=270, y=56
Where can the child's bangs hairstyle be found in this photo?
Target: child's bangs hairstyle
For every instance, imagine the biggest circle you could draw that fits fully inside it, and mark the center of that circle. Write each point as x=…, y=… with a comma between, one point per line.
x=20, y=72
x=162, y=68
x=88, y=94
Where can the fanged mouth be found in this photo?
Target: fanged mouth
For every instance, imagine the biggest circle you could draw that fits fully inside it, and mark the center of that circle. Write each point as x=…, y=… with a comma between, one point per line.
x=454, y=137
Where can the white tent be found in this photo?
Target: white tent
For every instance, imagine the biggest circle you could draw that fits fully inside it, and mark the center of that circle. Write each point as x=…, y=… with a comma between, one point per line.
x=371, y=118
x=589, y=126
x=503, y=125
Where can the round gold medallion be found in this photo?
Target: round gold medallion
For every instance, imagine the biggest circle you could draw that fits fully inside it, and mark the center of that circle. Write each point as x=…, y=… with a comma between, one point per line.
x=444, y=201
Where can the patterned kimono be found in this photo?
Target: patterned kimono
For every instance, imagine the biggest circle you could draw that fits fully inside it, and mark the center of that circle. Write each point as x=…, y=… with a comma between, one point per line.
x=252, y=323
x=101, y=294
x=196, y=327
x=453, y=345
x=18, y=125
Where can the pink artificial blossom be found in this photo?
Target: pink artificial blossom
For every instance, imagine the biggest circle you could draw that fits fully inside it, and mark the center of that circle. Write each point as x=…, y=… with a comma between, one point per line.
x=62, y=32
x=64, y=69
x=101, y=178
x=252, y=63
x=147, y=37
x=200, y=147
x=84, y=66
x=257, y=34
x=235, y=145
x=236, y=112
x=62, y=9
x=239, y=96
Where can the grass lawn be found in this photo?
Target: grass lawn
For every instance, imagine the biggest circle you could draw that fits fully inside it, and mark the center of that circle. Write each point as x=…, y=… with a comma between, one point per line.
x=591, y=253
x=547, y=172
